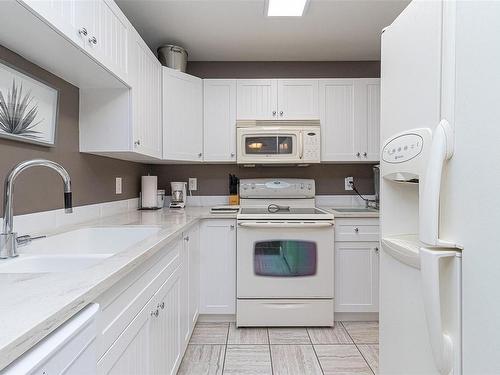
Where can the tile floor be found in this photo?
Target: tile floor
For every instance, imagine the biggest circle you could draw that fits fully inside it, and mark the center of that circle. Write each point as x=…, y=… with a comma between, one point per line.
x=222, y=349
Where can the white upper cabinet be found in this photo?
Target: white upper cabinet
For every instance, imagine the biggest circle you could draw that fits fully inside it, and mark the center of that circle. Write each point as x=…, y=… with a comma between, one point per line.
x=338, y=137
x=145, y=77
x=372, y=95
x=182, y=116
x=219, y=120
x=107, y=34
x=64, y=15
x=349, y=115
x=257, y=99
x=298, y=99
x=96, y=26
x=277, y=99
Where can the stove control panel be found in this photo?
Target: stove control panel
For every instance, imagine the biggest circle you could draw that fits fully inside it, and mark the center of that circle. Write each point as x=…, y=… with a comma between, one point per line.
x=277, y=188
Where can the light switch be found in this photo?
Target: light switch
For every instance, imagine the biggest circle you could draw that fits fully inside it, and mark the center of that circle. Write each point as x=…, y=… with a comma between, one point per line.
x=118, y=185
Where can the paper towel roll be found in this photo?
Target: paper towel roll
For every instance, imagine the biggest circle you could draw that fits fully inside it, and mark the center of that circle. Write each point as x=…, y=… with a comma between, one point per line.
x=149, y=185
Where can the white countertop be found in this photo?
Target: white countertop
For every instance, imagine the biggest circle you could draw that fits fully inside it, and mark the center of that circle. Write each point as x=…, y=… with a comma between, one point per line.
x=33, y=305
x=353, y=213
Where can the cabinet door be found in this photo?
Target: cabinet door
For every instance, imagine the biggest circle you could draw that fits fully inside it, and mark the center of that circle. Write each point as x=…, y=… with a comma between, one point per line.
x=194, y=274
x=219, y=120
x=182, y=116
x=298, y=99
x=218, y=274
x=64, y=15
x=256, y=99
x=185, y=321
x=338, y=134
x=165, y=335
x=371, y=91
x=145, y=77
x=107, y=36
x=356, y=276
x=130, y=354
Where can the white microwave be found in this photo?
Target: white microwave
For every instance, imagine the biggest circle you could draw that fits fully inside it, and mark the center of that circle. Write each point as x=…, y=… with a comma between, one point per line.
x=278, y=142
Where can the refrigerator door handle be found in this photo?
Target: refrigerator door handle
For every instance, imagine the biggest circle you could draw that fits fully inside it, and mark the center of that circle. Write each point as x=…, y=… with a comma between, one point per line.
x=441, y=343
x=440, y=152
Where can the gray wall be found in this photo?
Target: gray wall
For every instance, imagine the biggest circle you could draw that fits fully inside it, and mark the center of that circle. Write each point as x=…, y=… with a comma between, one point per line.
x=213, y=179
x=93, y=177
x=284, y=69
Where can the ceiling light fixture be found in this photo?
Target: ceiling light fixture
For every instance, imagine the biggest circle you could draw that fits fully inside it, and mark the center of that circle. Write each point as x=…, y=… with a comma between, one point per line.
x=286, y=8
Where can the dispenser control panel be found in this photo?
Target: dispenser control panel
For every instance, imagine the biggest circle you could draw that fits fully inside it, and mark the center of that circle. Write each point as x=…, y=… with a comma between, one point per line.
x=403, y=148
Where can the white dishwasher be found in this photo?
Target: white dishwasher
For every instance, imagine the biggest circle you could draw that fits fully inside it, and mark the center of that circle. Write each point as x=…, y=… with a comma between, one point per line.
x=69, y=350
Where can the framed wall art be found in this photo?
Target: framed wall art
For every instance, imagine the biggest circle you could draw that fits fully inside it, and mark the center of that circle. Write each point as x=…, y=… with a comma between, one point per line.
x=28, y=107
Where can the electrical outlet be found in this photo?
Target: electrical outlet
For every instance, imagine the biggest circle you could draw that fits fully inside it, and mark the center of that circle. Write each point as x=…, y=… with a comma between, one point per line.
x=193, y=183
x=118, y=184
x=348, y=182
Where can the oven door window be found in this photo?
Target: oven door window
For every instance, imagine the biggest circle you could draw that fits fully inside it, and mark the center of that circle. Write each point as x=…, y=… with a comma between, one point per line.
x=269, y=145
x=282, y=258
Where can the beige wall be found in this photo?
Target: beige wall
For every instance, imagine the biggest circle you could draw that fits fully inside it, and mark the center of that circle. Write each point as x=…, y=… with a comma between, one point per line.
x=93, y=177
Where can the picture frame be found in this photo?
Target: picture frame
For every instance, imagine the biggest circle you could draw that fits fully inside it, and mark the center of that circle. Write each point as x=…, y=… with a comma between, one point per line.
x=29, y=107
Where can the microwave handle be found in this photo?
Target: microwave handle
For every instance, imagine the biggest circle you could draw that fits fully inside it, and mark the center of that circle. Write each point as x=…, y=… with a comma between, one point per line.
x=301, y=145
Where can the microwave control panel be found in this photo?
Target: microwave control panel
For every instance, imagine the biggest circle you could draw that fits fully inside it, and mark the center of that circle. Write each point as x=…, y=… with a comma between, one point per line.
x=312, y=145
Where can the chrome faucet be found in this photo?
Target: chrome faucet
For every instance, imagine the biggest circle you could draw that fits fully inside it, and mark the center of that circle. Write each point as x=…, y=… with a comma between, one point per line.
x=8, y=238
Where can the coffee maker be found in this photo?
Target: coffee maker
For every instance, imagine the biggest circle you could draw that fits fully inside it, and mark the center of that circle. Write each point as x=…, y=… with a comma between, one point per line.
x=178, y=198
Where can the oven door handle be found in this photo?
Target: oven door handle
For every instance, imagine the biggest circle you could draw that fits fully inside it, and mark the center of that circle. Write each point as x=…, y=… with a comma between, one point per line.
x=302, y=225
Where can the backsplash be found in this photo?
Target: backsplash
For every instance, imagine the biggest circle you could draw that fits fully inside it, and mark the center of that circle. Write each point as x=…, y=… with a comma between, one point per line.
x=92, y=177
x=213, y=178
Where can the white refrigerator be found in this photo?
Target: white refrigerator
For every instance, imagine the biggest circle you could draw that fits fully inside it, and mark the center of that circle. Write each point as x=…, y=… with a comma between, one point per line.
x=440, y=184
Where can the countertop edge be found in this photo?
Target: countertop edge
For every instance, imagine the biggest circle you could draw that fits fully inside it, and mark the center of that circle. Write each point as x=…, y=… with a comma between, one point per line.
x=28, y=339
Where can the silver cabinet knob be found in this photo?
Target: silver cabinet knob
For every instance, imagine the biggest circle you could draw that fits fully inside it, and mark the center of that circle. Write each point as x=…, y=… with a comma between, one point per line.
x=186, y=238
x=82, y=31
x=358, y=154
x=274, y=113
x=376, y=250
x=161, y=305
x=93, y=40
x=200, y=155
x=155, y=313
x=232, y=154
x=281, y=113
x=231, y=226
x=365, y=154
x=356, y=230
x=137, y=143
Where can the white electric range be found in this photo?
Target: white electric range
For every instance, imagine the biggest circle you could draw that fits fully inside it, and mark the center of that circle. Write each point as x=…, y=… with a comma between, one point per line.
x=285, y=252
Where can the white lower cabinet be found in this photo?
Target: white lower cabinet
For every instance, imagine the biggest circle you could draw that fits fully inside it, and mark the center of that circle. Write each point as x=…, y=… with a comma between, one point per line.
x=165, y=337
x=193, y=245
x=139, y=325
x=356, y=265
x=190, y=280
x=218, y=274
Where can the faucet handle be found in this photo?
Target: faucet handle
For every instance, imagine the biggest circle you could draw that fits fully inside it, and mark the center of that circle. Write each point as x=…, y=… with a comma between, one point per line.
x=26, y=239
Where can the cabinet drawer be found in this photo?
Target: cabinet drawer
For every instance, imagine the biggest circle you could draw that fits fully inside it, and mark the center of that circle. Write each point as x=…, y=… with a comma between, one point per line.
x=357, y=230
x=306, y=312
x=122, y=302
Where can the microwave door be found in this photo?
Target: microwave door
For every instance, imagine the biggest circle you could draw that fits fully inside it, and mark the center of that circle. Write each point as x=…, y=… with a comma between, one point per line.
x=271, y=147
